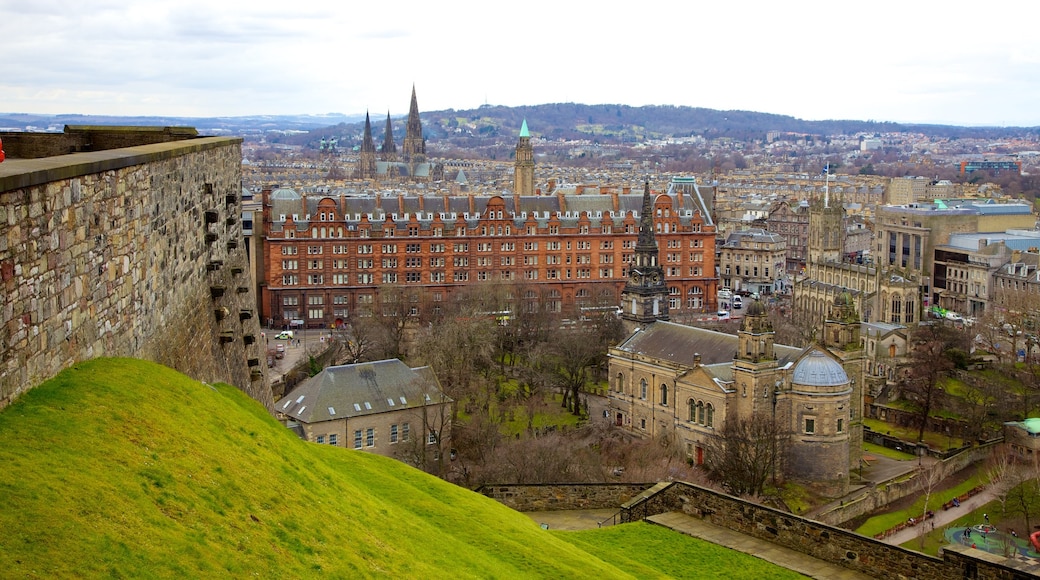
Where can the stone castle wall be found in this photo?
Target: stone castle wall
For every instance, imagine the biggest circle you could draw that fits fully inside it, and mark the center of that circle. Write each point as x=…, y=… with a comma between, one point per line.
x=565, y=496
x=134, y=252
x=819, y=540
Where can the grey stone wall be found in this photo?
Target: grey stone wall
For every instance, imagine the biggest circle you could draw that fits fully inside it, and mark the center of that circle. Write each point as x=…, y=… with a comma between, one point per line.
x=134, y=252
x=573, y=496
x=816, y=539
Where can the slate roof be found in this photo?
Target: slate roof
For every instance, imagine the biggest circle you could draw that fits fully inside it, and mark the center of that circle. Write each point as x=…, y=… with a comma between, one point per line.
x=678, y=343
x=356, y=390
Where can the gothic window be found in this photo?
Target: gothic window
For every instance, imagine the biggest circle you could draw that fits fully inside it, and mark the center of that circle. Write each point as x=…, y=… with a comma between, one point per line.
x=700, y=412
x=664, y=395
x=692, y=408
x=709, y=420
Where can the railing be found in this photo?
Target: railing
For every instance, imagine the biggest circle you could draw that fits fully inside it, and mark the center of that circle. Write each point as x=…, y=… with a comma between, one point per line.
x=612, y=519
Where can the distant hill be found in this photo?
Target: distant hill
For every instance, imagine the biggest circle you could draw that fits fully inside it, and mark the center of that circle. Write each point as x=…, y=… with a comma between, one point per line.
x=497, y=124
x=205, y=125
x=624, y=124
x=121, y=468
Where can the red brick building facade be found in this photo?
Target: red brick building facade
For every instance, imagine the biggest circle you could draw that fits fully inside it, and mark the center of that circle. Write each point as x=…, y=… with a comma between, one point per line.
x=329, y=255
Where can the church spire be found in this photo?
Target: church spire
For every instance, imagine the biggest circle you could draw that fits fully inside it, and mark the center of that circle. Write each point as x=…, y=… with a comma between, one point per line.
x=414, y=148
x=366, y=168
x=389, y=150
x=646, y=223
x=645, y=296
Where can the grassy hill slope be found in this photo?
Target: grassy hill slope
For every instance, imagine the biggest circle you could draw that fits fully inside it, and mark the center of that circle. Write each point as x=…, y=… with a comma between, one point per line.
x=123, y=468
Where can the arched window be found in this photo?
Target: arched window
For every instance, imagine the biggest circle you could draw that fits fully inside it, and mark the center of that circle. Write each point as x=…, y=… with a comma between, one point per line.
x=620, y=385
x=642, y=389
x=664, y=394
x=692, y=405
x=709, y=419
x=700, y=412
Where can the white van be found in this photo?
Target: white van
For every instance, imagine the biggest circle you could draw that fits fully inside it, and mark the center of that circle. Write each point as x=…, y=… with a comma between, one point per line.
x=284, y=335
x=737, y=303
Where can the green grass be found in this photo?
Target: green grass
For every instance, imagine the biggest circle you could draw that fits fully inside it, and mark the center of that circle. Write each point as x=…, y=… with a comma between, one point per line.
x=649, y=551
x=872, y=449
x=887, y=521
x=933, y=439
x=123, y=468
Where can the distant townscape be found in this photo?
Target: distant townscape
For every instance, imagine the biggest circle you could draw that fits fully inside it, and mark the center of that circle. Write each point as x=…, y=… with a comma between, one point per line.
x=748, y=315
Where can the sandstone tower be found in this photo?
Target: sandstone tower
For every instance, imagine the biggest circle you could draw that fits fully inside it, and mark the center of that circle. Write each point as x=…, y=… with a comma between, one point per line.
x=645, y=297
x=523, y=171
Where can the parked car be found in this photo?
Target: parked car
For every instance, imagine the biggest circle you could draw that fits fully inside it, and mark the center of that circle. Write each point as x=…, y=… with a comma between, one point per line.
x=737, y=303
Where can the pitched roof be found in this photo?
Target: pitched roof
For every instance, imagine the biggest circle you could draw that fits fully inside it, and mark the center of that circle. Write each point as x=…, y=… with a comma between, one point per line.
x=678, y=343
x=361, y=389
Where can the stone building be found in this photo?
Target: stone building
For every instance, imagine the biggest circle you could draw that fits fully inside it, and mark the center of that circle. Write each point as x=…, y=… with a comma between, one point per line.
x=328, y=255
x=382, y=407
x=125, y=241
x=753, y=260
x=907, y=237
x=791, y=221
x=385, y=165
x=670, y=380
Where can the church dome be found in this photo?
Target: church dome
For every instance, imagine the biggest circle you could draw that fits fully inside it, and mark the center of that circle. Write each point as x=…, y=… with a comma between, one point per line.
x=756, y=309
x=819, y=370
x=844, y=299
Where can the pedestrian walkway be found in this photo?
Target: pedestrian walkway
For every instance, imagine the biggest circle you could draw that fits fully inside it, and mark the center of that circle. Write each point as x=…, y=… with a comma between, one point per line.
x=942, y=517
x=571, y=520
x=773, y=553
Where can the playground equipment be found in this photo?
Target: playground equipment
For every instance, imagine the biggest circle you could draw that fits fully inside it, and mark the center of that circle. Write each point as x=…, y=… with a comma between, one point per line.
x=1034, y=539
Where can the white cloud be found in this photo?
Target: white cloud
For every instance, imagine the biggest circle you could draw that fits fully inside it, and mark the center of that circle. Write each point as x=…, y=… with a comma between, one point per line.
x=902, y=61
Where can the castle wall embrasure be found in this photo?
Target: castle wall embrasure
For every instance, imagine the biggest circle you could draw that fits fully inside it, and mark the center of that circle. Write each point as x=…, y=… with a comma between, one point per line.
x=132, y=252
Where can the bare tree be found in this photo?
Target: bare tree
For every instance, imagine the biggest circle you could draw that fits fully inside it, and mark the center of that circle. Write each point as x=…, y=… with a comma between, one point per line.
x=929, y=361
x=746, y=454
x=428, y=446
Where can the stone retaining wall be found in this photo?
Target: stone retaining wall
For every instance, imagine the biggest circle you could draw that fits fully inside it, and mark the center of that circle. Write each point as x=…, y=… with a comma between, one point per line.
x=134, y=252
x=819, y=540
x=572, y=496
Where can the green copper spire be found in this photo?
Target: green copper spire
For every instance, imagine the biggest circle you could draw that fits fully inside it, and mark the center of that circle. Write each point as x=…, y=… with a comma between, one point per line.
x=523, y=130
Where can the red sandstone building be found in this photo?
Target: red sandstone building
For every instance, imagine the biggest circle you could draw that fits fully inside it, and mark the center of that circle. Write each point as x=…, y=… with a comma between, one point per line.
x=328, y=256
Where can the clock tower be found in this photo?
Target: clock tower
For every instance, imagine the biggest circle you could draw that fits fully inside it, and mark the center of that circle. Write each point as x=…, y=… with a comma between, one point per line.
x=645, y=297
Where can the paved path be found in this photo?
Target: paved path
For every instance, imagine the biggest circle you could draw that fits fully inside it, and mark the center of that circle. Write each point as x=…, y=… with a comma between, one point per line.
x=942, y=517
x=779, y=555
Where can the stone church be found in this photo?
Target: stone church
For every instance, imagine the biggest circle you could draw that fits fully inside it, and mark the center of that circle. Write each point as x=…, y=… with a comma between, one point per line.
x=386, y=164
x=672, y=380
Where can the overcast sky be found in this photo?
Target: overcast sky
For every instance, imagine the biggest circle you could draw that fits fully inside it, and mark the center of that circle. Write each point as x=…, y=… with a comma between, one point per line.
x=964, y=63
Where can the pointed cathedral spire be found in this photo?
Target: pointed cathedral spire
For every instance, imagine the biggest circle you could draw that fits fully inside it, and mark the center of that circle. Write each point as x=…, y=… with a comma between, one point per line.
x=367, y=145
x=414, y=147
x=389, y=149
x=366, y=168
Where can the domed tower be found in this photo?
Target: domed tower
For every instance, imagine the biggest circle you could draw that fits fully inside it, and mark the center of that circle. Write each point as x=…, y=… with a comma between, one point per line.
x=817, y=403
x=841, y=337
x=755, y=366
